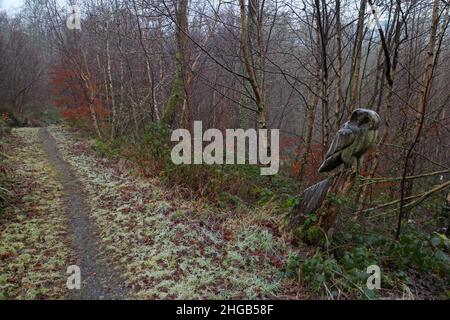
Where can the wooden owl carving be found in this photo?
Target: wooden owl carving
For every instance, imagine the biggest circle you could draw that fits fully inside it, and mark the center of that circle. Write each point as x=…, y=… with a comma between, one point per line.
x=352, y=141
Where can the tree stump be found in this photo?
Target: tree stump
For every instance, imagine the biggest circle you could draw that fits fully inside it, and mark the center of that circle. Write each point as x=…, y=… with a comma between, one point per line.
x=323, y=201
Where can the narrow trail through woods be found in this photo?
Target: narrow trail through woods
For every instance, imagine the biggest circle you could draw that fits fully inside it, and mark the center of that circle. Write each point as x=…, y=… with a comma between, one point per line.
x=132, y=237
x=99, y=280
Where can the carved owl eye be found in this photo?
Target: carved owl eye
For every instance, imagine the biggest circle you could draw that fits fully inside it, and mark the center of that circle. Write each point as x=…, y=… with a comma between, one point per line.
x=365, y=120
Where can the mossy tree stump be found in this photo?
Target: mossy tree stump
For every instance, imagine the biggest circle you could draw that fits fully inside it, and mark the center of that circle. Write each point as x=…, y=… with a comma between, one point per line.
x=321, y=201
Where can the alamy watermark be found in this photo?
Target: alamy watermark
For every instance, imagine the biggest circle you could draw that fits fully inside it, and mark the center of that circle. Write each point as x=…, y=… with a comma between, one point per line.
x=374, y=280
x=74, y=280
x=73, y=21
x=238, y=146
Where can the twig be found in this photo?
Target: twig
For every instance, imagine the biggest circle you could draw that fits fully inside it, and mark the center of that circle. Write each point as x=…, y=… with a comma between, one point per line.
x=422, y=197
x=381, y=180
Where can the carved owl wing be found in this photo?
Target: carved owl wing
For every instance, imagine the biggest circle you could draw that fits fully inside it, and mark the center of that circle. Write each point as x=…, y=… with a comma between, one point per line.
x=344, y=137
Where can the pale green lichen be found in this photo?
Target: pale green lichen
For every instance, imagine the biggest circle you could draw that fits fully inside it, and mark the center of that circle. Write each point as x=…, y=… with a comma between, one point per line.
x=164, y=253
x=33, y=235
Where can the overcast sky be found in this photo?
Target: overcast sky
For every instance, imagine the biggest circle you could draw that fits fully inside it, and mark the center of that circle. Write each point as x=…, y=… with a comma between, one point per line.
x=10, y=5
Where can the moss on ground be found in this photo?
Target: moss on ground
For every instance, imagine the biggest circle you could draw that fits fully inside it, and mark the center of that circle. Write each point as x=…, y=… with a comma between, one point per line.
x=165, y=249
x=34, y=251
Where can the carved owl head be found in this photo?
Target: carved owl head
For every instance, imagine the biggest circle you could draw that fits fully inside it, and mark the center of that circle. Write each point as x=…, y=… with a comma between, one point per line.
x=365, y=119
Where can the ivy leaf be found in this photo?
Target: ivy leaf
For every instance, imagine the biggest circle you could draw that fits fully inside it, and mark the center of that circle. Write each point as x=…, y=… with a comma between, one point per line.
x=435, y=241
x=441, y=256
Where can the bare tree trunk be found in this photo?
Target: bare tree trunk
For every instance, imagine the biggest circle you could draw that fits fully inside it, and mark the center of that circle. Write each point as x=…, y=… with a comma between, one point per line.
x=153, y=101
x=91, y=99
x=89, y=88
x=356, y=64
x=421, y=108
x=339, y=69
x=110, y=85
x=323, y=39
x=310, y=119
x=179, y=94
x=257, y=85
x=150, y=74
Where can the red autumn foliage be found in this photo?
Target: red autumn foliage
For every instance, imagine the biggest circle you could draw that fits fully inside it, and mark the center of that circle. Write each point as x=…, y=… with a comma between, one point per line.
x=313, y=161
x=69, y=94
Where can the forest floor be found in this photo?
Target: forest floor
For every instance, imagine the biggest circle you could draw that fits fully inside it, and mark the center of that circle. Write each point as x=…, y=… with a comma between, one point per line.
x=131, y=237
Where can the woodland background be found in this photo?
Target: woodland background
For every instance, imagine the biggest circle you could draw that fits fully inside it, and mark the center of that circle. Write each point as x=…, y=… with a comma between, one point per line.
x=138, y=68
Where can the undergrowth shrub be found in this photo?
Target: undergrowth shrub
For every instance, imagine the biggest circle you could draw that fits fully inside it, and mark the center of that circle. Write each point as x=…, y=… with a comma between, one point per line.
x=231, y=184
x=226, y=185
x=427, y=254
x=342, y=268
x=5, y=122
